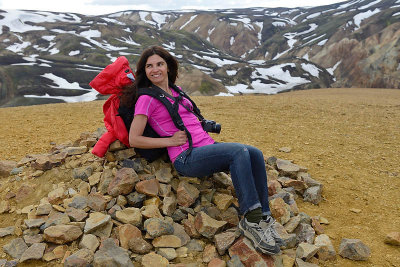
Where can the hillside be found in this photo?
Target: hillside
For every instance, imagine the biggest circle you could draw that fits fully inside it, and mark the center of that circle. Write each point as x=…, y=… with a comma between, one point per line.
x=349, y=139
x=48, y=57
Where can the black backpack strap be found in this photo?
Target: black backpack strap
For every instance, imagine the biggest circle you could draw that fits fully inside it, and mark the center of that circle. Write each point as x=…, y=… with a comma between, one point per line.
x=161, y=95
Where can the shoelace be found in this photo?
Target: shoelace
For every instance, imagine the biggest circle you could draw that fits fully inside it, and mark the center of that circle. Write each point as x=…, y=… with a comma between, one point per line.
x=269, y=225
x=269, y=238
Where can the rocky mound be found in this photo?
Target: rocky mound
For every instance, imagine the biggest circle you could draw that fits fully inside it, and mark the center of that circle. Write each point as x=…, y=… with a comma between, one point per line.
x=124, y=211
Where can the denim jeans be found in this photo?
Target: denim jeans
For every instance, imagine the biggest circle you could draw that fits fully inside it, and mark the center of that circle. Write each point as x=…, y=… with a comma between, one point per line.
x=245, y=163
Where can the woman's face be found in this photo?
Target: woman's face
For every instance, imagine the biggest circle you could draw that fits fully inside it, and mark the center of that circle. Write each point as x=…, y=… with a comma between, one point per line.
x=157, y=70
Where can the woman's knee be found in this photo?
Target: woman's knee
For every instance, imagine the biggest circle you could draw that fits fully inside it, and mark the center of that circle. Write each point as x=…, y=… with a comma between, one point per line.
x=255, y=152
x=239, y=150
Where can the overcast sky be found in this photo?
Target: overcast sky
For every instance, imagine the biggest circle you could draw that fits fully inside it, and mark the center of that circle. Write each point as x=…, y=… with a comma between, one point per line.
x=98, y=7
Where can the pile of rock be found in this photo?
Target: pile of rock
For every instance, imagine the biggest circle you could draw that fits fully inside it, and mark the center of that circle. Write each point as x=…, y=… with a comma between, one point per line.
x=125, y=211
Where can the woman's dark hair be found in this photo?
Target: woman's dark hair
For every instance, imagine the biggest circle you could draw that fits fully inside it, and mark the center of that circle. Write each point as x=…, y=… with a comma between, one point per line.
x=129, y=96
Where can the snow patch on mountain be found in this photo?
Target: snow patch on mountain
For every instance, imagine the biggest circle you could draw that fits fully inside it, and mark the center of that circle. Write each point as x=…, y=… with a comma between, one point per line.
x=362, y=16
x=370, y=4
x=273, y=74
x=191, y=18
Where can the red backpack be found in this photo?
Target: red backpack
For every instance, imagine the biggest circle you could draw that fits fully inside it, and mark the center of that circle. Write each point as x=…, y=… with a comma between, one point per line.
x=110, y=81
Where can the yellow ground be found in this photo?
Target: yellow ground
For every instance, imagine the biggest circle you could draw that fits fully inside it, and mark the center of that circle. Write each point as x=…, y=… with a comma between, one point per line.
x=348, y=138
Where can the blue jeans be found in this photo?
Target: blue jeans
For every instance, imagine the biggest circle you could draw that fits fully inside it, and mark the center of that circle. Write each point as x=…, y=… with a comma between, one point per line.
x=245, y=163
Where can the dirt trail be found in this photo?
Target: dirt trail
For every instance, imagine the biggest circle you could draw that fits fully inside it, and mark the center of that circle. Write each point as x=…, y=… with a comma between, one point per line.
x=349, y=139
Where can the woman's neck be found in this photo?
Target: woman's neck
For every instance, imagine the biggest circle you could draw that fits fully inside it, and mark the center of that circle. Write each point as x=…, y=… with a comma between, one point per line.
x=165, y=87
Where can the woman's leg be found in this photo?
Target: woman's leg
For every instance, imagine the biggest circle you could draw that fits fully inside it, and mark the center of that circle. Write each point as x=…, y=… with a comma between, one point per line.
x=234, y=157
x=260, y=177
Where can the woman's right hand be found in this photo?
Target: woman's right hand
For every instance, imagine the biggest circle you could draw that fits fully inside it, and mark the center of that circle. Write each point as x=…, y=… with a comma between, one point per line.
x=179, y=138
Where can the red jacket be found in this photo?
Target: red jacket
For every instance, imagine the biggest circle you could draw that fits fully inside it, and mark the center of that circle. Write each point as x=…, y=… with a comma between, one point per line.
x=110, y=81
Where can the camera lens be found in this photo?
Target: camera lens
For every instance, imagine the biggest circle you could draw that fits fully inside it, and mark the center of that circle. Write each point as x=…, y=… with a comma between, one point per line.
x=217, y=128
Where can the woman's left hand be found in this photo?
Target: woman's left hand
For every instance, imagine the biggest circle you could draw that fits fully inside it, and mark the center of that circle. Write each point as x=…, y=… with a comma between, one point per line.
x=179, y=138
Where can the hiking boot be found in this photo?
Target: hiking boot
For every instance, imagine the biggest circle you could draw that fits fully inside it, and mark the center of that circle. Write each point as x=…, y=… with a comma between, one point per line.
x=269, y=224
x=262, y=240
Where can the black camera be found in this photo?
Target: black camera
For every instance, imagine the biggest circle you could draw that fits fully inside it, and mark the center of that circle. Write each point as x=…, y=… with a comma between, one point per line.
x=211, y=126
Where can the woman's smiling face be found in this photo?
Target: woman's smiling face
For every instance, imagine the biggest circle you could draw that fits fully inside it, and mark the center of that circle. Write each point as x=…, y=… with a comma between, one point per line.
x=157, y=70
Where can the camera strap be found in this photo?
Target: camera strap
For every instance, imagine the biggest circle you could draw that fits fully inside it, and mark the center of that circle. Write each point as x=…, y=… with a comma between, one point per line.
x=181, y=94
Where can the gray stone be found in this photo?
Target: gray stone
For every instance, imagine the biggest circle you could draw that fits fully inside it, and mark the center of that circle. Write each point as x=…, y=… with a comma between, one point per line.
x=90, y=242
x=96, y=202
x=354, y=249
x=83, y=173
x=125, y=154
x=81, y=258
x=31, y=231
x=15, y=248
x=305, y=233
x=165, y=190
x=306, y=251
x=156, y=227
x=135, y=199
x=111, y=255
x=75, y=150
x=7, y=231
x=224, y=240
x=16, y=171
x=105, y=180
x=139, y=245
x=169, y=205
x=55, y=218
x=195, y=245
x=34, y=223
x=223, y=178
x=95, y=221
x=164, y=175
x=76, y=215
x=79, y=202
x=44, y=209
x=287, y=168
x=292, y=224
x=231, y=216
x=104, y=231
x=206, y=225
x=135, y=164
x=32, y=239
x=168, y=253
x=180, y=232
x=34, y=252
x=326, y=250
x=178, y=215
x=313, y=194
x=305, y=218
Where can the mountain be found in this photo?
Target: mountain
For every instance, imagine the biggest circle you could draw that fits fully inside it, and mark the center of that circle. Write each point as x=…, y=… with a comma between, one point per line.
x=51, y=57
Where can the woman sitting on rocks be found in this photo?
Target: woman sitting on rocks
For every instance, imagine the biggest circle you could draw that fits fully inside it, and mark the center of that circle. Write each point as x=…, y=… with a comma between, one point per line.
x=157, y=67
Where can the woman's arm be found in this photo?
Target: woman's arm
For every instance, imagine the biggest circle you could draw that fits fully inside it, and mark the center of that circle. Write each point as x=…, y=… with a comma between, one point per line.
x=136, y=138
